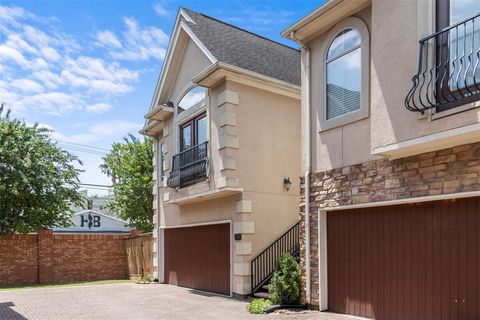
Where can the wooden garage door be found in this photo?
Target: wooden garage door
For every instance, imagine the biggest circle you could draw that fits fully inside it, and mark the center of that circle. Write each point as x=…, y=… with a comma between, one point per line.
x=199, y=257
x=406, y=262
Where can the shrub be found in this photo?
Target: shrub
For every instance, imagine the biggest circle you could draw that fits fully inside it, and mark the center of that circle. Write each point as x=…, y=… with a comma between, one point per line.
x=285, y=285
x=146, y=278
x=259, y=306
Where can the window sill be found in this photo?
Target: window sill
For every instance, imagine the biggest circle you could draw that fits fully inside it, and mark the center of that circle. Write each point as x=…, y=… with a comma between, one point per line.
x=343, y=120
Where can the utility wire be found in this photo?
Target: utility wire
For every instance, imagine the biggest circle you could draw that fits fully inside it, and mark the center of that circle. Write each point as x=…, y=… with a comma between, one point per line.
x=84, y=150
x=81, y=145
x=94, y=185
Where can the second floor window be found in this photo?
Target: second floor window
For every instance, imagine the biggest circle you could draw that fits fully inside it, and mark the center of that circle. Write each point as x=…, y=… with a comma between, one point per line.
x=345, y=65
x=344, y=73
x=163, y=151
x=193, y=132
x=192, y=98
x=457, y=48
x=450, y=12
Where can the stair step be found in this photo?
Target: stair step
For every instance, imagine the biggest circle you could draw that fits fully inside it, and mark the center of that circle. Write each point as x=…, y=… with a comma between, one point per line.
x=265, y=286
x=262, y=295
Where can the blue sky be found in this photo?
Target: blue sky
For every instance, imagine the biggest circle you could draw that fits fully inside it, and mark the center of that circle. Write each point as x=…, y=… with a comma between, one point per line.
x=87, y=69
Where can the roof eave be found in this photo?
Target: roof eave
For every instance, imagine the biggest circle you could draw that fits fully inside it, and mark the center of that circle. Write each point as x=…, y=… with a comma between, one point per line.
x=323, y=18
x=287, y=88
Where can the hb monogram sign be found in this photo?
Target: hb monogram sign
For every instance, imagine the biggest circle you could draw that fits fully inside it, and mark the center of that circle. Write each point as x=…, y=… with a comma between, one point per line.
x=90, y=221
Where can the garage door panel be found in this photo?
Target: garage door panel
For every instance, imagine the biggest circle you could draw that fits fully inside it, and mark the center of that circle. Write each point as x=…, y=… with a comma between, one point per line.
x=199, y=257
x=406, y=262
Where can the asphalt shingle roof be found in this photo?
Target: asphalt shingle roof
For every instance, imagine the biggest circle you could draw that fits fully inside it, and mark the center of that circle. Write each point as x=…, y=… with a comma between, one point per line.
x=246, y=50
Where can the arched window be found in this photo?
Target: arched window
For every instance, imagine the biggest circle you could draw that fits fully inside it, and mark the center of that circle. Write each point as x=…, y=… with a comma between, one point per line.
x=346, y=74
x=192, y=98
x=344, y=70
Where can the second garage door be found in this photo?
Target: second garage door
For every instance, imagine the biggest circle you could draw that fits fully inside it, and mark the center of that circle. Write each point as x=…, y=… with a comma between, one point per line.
x=416, y=261
x=199, y=257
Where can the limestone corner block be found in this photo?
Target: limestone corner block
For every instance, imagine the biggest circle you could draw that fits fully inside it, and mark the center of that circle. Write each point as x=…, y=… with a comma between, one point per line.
x=227, y=163
x=243, y=248
x=241, y=269
x=228, y=96
x=242, y=288
x=244, y=206
x=225, y=182
x=244, y=227
x=166, y=196
x=228, y=141
x=227, y=119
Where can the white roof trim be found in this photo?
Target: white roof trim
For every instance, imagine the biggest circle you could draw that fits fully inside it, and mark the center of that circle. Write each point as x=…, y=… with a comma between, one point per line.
x=100, y=214
x=179, y=25
x=226, y=66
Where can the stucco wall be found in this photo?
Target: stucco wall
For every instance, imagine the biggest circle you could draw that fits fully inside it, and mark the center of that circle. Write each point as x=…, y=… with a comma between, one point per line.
x=193, y=62
x=343, y=145
x=393, y=62
x=254, y=143
x=261, y=141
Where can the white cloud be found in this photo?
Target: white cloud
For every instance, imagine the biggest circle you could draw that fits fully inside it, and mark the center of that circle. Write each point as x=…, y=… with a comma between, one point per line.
x=136, y=43
x=11, y=15
x=161, y=10
x=7, y=53
x=52, y=103
x=48, y=78
x=116, y=127
x=27, y=85
x=50, y=54
x=44, y=72
x=99, y=107
x=108, y=39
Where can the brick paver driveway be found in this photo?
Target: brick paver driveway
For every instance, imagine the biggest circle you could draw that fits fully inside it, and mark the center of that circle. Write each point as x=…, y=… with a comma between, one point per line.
x=127, y=301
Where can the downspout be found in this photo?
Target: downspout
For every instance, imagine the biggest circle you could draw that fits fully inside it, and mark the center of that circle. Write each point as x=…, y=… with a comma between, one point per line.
x=308, y=164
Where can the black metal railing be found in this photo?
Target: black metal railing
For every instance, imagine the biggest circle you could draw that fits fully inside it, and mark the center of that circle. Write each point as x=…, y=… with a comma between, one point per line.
x=189, y=167
x=448, y=72
x=263, y=265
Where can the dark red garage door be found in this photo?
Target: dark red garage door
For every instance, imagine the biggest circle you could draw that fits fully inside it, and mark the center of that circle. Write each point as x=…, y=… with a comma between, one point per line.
x=416, y=261
x=199, y=257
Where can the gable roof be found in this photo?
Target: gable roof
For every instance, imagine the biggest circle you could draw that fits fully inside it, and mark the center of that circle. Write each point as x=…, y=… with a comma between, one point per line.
x=243, y=49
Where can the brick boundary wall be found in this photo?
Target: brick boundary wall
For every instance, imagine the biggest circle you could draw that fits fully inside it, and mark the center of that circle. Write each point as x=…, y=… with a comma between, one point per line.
x=445, y=171
x=48, y=257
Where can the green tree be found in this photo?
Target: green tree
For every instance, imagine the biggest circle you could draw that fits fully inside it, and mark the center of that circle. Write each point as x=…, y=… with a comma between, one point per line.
x=130, y=166
x=38, y=180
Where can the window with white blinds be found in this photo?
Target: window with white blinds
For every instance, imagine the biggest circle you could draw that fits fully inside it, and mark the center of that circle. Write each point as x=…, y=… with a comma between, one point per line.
x=343, y=74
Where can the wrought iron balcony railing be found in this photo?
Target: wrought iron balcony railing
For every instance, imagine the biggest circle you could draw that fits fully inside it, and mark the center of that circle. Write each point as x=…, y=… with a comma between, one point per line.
x=189, y=167
x=448, y=68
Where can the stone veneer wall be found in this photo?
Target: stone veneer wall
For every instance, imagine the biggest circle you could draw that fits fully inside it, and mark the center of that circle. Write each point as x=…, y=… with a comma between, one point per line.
x=445, y=171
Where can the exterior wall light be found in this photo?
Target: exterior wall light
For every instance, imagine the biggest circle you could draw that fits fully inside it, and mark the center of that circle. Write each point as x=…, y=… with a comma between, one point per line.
x=287, y=183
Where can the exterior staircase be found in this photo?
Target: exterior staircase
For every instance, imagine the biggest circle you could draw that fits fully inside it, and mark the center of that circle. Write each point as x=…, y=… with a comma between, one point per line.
x=263, y=265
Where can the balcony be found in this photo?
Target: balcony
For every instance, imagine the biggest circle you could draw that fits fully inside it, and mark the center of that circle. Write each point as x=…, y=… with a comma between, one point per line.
x=448, y=73
x=189, y=166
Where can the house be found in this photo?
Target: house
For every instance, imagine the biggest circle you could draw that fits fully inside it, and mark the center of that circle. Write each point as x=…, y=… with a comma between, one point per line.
x=91, y=221
x=225, y=118
x=391, y=158
x=94, y=202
